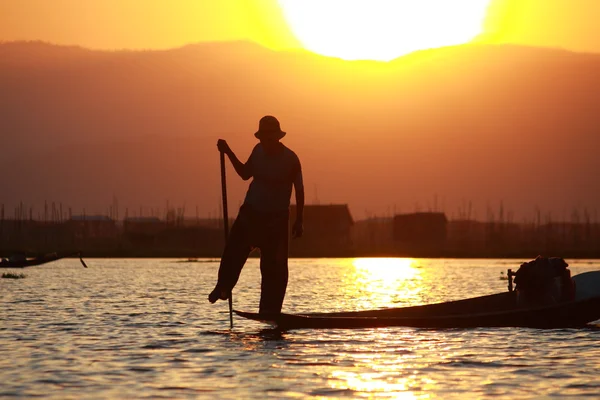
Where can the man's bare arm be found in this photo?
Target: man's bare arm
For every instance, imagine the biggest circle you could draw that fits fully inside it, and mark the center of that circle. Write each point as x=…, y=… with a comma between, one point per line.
x=243, y=170
x=298, y=228
x=299, y=203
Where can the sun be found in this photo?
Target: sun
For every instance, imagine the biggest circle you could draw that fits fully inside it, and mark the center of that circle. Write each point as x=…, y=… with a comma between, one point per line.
x=382, y=29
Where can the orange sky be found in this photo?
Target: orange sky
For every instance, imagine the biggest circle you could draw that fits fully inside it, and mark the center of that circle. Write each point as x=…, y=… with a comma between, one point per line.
x=117, y=24
x=109, y=24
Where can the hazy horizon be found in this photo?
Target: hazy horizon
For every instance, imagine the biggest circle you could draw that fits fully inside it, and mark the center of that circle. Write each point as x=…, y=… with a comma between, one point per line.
x=484, y=102
x=118, y=24
x=483, y=124
x=292, y=49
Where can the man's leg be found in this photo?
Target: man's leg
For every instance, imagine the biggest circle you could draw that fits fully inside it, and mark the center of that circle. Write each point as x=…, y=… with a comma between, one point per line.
x=274, y=266
x=234, y=257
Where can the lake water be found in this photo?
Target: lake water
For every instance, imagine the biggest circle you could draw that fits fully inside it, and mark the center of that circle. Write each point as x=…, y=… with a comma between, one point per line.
x=143, y=329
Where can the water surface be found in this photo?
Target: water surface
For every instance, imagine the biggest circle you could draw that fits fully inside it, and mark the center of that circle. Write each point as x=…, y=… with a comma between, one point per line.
x=142, y=328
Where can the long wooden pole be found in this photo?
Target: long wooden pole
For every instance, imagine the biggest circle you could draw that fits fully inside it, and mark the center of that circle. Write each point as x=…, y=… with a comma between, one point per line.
x=226, y=224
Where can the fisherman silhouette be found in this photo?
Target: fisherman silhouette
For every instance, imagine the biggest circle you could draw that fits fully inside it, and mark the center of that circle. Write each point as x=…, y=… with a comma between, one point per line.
x=263, y=217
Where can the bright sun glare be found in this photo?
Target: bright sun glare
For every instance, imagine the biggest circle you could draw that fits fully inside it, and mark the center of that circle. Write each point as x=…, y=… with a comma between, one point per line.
x=382, y=29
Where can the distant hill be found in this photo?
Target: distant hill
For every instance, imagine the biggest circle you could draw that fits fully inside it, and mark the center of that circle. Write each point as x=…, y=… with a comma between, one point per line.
x=468, y=123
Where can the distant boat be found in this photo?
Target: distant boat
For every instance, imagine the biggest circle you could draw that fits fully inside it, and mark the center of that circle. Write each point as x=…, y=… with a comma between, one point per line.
x=32, y=262
x=496, y=310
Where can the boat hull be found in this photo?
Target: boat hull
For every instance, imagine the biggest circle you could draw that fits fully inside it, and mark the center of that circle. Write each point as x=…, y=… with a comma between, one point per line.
x=32, y=262
x=496, y=310
x=565, y=315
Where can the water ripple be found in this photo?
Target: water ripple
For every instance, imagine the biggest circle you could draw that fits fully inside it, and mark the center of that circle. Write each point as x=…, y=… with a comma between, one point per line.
x=142, y=329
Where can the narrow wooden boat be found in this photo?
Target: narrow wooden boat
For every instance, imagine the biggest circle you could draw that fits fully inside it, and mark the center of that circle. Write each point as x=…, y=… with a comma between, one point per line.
x=32, y=262
x=496, y=310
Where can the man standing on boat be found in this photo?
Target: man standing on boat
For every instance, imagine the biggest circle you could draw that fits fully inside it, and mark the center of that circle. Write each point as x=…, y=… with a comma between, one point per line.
x=263, y=217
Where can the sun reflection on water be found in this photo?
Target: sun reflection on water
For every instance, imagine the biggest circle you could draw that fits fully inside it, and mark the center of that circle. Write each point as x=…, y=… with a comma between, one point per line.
x=384, y=282
x=411, y=387
x=378, y=283
x=394, y=268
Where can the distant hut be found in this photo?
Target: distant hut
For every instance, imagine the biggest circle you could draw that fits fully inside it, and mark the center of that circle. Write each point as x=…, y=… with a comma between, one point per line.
x=422, y=233
x=327, y=230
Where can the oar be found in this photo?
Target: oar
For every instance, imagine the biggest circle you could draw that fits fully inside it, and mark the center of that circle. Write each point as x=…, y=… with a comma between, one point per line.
x=226, y=225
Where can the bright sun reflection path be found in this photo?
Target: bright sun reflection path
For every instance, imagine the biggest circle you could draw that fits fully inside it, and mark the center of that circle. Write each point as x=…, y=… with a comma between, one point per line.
x=376, y=283
x=384, y=282
x=387, y=268
x=375, y=383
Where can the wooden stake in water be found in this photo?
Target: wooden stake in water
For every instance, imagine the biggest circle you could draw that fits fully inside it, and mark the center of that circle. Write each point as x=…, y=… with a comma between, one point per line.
x=226, y=224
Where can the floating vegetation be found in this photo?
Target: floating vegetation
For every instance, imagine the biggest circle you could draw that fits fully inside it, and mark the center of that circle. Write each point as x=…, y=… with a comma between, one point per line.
x=10, y=275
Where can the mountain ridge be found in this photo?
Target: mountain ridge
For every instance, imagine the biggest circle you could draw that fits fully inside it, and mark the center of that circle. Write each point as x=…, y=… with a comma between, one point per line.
x=425, y=124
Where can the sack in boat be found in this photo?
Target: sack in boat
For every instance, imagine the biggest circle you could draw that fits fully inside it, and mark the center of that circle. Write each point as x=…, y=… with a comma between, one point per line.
x=545, y=280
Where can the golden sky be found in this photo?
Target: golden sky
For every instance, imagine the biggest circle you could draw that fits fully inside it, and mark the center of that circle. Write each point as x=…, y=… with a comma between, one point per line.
x=317, y=102
x=144, y=24
x=112, y=24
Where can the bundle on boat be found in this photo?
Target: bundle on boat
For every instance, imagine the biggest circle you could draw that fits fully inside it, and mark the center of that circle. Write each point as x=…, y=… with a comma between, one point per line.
x=545, y=296
x=543, y=281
